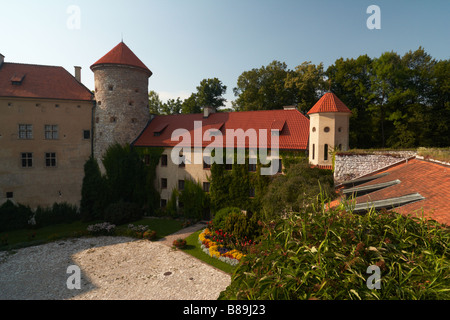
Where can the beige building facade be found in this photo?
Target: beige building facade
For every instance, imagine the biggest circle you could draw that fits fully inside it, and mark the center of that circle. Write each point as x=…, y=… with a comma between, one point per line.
x=45, y=135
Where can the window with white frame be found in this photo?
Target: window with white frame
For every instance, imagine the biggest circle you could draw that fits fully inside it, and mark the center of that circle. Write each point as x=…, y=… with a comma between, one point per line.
x=51, y=132
x=25, y=131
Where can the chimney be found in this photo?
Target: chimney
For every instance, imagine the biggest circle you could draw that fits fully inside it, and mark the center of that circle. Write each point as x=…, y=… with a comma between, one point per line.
x=207, y=111
x=78, y=73
x=2, y=59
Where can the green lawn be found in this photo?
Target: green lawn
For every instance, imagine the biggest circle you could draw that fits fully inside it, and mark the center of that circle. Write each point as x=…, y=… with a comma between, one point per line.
x=28, y=237
x=193, y=248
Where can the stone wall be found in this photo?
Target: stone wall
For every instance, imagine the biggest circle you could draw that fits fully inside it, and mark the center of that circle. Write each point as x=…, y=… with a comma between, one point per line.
x=121, y=113
x=350, y=166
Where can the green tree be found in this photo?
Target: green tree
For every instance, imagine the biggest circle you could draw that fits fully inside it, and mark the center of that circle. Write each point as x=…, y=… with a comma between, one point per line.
x=264, y=88
x=154, y=103
x=210, y=93
x=349, y=79
x=308, y=84
x=194, y=200
x=440, y=101
x=126, y=174
x=172, y=106
x=191, y=105
x=296, y=190
x=92, y=192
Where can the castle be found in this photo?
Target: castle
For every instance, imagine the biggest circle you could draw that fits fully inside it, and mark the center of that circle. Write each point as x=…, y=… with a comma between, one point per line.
x=51, y=124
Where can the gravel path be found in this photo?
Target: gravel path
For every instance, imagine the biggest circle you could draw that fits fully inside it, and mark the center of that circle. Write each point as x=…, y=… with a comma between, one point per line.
x=111, y=268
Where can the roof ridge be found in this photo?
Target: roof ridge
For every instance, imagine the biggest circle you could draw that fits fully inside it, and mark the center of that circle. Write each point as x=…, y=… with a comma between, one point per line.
x=34, y=65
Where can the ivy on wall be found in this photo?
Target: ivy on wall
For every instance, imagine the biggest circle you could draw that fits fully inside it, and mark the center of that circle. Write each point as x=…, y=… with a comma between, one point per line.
x=242, y=188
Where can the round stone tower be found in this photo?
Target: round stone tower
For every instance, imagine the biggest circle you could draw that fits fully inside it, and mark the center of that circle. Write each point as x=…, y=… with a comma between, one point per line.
x=121, y=94
x=328, y=129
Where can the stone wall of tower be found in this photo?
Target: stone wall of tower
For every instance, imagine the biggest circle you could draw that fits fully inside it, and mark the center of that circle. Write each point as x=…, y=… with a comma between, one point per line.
x=121, y=113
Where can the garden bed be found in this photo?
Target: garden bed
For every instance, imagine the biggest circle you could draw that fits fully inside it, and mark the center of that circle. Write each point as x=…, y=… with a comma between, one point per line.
x=219, y=251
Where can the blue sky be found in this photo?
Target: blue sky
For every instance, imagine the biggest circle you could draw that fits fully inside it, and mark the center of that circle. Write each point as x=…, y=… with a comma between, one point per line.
x=185, y=41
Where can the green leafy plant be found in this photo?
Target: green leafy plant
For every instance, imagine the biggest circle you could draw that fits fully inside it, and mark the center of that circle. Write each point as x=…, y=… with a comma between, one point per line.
x=325, y=254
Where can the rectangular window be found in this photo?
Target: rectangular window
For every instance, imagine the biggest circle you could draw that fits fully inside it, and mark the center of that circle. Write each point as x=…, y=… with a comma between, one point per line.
x=27, y=159
x=163, y=203
x=280, y=166
x=147, y=160
x=228, y=166
x=163, y=183
x=251, y=192
x=313, y=150
x=164, y=160
x=51, y=132
x=9, y=195
x=180, y=185
x=25, y=131
x=86, y=134
x=252, y=167
x=50, y=159
x=325, y=152
x=206, y=162
x=206, y=186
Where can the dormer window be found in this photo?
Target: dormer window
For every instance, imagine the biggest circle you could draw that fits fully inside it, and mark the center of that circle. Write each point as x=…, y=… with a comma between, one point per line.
x=159, y=129
x=17, y=79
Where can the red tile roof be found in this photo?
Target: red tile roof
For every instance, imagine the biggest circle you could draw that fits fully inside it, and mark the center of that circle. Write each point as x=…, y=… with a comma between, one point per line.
x=122, y=55
x=329, y=103
x=43, y=82
x=431, y=180
x=294, y=134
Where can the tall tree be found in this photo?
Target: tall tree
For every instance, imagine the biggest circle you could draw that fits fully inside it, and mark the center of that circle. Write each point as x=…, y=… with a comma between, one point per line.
x=263, y=88
x=154, y=103
x=307, y=84
x=191, y=105
x=350, y=80
x=385, y=84
x=440, y=110
x=210, y=93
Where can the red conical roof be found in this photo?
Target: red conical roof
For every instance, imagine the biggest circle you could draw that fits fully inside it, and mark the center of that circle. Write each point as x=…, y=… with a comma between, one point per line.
x=122, y=55
x=329, y=103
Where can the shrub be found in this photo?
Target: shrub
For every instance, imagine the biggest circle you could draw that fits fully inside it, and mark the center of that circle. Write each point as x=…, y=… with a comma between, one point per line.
x=194, y=200
x=326, y=254
x=222, y=214
x=13, y=217
x=122, y=212
x=297, y=190
x=149, y=234
x=56, y=214
x=92, y=192
x=179, y=243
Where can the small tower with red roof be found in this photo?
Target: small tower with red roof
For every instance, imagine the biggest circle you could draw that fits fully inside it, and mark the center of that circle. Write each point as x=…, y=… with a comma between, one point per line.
x=328, y=129
x=121, y=94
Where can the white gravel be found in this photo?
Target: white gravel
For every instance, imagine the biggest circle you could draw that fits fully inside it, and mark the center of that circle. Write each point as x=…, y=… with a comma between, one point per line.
x=111, y=268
